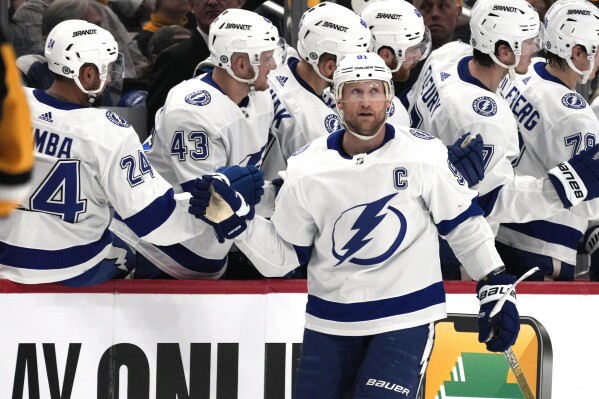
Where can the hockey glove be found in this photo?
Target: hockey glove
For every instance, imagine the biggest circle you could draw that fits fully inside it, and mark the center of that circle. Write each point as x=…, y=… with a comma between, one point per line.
x=225, y=209
x=577, y=180
x=246, y=180
x=467, y=156
x=500, y=331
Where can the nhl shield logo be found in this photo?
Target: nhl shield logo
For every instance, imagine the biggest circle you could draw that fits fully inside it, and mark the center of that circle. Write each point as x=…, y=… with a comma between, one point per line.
x=574, y=101
x=117, y=120
x=484, y=106
x=199, y=98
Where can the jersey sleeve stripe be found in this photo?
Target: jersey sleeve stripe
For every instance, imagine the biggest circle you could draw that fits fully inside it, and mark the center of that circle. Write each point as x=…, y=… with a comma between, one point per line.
x=487, y=201
x=44, y=259
x=446, y=226
x=548, y=231
x=191, y=260
x=371, y=310
x=152, y=216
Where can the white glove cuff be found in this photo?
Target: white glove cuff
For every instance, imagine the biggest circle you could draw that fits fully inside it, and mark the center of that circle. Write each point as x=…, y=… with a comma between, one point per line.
x=573, y=185
x=491, y=293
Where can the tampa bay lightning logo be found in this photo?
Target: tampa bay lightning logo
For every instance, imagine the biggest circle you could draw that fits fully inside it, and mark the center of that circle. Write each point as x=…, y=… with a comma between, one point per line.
x=117, y=120
x=574, y=101
x=355, y=230
x=391, y=110
x=484, y=106
x=199, y=98
x=332, y=123
x=421, y=135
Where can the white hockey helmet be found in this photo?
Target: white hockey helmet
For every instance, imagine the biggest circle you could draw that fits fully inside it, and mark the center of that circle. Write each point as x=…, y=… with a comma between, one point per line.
x=241, y=31
x=331, y=28
x=569, y=23
x=73, y=43
x=513, y=21
x=399, y=26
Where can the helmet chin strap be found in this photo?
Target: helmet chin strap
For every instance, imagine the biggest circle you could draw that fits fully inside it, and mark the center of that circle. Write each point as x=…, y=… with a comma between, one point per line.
x=250, y=82
x=511, y=69
x=91, y=94
x=584, y=75
x=361, y=136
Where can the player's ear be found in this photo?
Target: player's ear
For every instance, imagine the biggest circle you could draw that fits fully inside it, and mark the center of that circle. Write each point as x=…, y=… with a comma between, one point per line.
x=328, y=67
x=89, y=76
x=239, y=64
x=578, y=52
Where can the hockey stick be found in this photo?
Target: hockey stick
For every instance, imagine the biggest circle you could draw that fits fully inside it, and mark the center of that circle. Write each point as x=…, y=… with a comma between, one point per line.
x=509, y=352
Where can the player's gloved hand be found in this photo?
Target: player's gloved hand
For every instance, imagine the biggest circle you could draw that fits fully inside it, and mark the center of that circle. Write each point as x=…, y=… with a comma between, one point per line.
x=246, y=180
x=577, y=179
x=224, y=209
x=500, y=331
x=466, y=154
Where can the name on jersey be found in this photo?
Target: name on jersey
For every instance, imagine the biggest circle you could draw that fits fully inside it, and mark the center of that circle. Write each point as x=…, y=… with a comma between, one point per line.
x=507, y=9
x=524, y=112
x=331, y=25
x=429, y=94
x=85, y=32
x=579, y=12
x=52, y=144
x=384, y=15
x=237, y=26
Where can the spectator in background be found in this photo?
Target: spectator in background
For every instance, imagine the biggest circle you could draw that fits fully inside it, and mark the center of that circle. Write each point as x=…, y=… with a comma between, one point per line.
x=167, y=12
x=24, y=27
x=179, y=62
x=132, y=13
x=16, y=140
x=135, y=91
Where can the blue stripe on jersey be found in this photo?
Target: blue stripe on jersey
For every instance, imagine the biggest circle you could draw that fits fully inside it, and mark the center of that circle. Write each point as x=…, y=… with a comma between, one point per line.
x=152, y=216
x=45, y=98
x=540, y=69
x=191, y=260
x=487, y=201
x=446, y=226
x=303, y=253
x=363, y=311
x=549, y=232
x=466, y=76
x=46, y=259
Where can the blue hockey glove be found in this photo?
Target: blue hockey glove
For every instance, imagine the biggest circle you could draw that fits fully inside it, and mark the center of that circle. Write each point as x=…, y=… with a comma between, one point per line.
x=226, y=210
x=500, y=331
x=246, y=180
x=577, y=180
x=466, y=154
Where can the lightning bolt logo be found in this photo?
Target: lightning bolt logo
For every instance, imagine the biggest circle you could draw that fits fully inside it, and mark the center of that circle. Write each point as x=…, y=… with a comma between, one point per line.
x=368, y=220
x=484, y=106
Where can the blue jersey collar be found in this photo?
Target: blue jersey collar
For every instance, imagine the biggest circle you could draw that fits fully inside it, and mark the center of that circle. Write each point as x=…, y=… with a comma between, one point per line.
x=465, y=74
x=544, y=74
x=53, y=102
x=334, y=140
x=207, y=78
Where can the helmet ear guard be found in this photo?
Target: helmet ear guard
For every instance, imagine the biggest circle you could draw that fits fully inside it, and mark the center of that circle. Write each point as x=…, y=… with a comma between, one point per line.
x=74, y=43
x=241, y=31
x=333, y=29
x=569, y=23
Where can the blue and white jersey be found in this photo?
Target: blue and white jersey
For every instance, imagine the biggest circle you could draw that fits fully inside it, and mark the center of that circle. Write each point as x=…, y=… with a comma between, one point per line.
x=301, y=115
x=554, y=124
x=86, y=160
x=452, y=102
x=199, y=129
x=368, y=227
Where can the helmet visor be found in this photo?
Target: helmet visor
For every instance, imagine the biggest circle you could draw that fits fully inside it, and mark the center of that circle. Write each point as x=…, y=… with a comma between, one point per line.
x=412, y=55
x=371, y=90
x=274, y=58
x=531, y=46
x=116, y=69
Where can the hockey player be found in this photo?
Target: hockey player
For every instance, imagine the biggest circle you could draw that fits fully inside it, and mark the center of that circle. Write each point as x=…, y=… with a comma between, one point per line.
x=453, y=100
x=87, y=160
x=363, y=206
x=554, y=123
x=401, y=39
x=220, y=118
x=301, y=114
x=16, y=142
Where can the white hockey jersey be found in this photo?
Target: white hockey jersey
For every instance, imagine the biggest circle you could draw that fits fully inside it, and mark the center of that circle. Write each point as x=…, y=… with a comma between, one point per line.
x=86, y=160
x=368, y=227
x=451, y=102
x=554, y=124
x=198, y=130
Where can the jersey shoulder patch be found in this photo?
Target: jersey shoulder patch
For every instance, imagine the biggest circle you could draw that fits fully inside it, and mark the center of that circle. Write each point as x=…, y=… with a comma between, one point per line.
x=574, y=101
x=332, y=122
x=421, y=134
x=199, y=98
x=301, y=149
x=484, y=106
x=116, y=119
